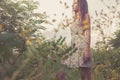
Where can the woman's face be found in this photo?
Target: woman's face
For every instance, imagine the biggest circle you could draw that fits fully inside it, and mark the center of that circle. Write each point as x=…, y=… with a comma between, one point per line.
x=75, y=6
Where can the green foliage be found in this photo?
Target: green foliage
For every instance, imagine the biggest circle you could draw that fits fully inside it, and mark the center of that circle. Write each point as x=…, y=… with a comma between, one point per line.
x=106, y=64
x=18, y=26
x=107, y=61
x=106, y=55
x=114, y=58
x=103, y=22
x=116, y=41
x=41, y=61
x=18, y=23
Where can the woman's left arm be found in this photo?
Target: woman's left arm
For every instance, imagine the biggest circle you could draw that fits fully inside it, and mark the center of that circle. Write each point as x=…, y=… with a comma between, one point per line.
x=88, y=38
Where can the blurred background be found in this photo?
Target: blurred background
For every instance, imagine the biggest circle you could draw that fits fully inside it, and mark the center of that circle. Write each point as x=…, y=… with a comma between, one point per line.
x=35, y=36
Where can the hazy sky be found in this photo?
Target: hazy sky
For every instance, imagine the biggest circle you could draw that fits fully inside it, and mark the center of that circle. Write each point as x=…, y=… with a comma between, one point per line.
x=52, y=7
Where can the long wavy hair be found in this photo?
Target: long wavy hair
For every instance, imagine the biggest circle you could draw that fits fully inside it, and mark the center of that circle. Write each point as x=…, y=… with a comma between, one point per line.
x=82, y=8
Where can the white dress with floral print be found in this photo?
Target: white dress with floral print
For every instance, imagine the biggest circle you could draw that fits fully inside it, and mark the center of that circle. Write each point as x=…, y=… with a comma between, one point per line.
x=78, y=42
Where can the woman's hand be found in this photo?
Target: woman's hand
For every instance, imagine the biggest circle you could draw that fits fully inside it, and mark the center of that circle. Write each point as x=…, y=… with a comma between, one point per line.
x=86, y=56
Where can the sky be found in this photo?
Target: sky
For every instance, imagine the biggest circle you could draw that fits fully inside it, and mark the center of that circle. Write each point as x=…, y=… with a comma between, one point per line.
x=54, y=10
x=52, y=7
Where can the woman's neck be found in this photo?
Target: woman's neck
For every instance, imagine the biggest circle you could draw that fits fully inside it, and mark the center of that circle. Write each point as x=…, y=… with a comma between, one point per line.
x=76, y=16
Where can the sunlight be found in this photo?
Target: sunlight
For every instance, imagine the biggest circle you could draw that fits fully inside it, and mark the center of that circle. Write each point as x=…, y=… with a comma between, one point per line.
x=54, y=9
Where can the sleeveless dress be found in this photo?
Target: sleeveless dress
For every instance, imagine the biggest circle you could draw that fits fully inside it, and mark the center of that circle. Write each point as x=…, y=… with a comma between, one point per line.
x=78, y=42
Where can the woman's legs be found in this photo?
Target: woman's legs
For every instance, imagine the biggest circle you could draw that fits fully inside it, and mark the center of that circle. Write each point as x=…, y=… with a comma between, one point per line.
x=60, y=75
x=85, y=73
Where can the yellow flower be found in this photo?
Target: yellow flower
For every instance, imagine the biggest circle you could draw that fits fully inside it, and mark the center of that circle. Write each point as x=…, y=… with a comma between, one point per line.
x=28, y=42
x=85, y=22
x=30, y=38
x=1, y=26
x=38, y=40
x=85, y=27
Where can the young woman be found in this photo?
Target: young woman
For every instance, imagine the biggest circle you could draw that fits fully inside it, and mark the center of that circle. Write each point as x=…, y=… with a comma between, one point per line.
x=80, y=40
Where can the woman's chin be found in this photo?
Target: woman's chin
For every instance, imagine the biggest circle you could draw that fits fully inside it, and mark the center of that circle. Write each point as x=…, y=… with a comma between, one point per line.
x=75, y=10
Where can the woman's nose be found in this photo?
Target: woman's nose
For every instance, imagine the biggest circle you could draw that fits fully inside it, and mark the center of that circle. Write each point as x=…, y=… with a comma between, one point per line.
x=72, y=6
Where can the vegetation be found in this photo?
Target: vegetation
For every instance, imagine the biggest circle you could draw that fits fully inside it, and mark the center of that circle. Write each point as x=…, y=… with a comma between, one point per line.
x=18, y=26
x=106, y=55
x=26, y=55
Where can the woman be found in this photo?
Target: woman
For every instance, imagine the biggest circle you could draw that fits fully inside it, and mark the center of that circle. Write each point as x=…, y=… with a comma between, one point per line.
x=80, y=33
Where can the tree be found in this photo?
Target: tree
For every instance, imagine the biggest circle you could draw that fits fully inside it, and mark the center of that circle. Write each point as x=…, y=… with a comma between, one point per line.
x=106, y=55
x=18, y=31
x=116, y=41
x=18, y=26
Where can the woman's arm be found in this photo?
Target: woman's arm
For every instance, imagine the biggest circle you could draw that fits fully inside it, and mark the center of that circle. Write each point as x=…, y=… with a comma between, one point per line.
x=88, y=37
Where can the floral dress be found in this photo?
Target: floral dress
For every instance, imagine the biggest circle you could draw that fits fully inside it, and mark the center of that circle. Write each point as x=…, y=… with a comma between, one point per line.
x=78, y=42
